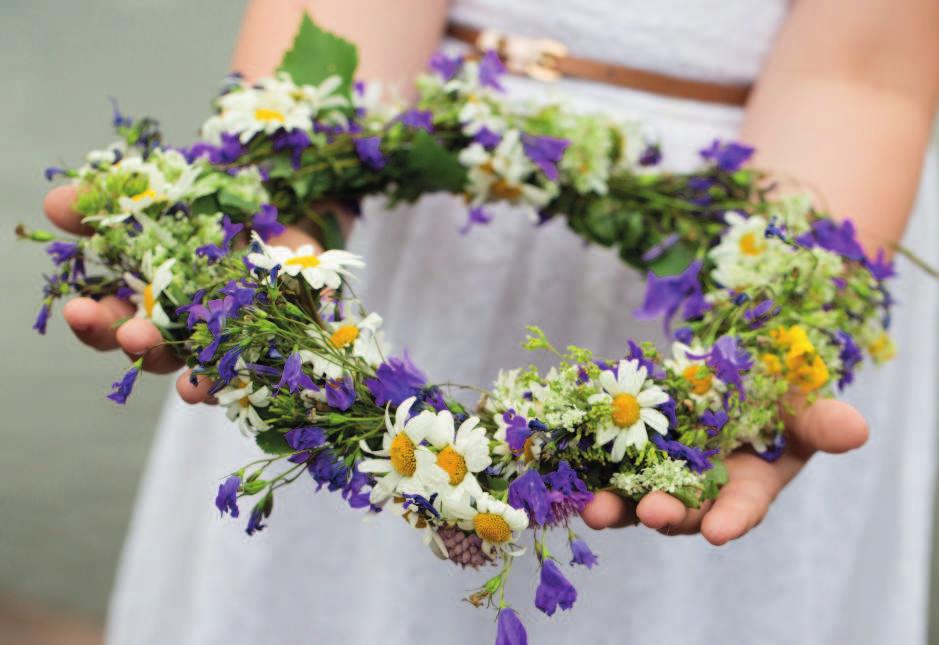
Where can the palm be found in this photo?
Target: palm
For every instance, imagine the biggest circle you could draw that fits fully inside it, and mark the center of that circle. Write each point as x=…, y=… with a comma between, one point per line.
x=753, y=483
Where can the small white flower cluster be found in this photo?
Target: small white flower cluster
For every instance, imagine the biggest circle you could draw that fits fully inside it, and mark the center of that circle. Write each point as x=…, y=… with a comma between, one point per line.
x=667, y=475
x=617, y=407
x=747, y=257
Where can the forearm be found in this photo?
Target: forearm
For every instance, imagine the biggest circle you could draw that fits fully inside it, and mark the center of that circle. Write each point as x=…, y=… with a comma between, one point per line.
x=846, y=104
x=395, y=38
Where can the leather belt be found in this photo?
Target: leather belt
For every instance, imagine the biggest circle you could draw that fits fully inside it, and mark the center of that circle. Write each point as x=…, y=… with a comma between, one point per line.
x=548, y=60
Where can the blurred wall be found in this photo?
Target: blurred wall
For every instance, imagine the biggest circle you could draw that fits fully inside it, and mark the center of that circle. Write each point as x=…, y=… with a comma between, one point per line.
x=69, y=458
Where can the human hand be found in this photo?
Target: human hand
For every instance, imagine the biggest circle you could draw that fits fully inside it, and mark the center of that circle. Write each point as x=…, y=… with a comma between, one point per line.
x=827, y=425
x=94, y=322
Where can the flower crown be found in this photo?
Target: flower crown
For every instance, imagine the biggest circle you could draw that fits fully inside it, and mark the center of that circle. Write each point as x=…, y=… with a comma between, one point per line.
x=762, y=295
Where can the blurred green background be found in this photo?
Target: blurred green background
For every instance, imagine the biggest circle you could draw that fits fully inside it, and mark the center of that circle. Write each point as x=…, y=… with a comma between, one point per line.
x=70, y=459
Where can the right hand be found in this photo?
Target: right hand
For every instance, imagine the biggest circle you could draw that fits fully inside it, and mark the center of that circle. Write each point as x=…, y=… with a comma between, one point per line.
x=93, y=322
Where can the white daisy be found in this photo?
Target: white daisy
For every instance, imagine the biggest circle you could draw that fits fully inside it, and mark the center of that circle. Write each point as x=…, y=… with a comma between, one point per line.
x=745, y=256
x=495, y=522
x=404, y=464
x=463, y=452
x=242, y=400
x=147, y=291
x=704, y=385
x=267, y=107
x=632, y=402
x=360, y=338
x=320, y=270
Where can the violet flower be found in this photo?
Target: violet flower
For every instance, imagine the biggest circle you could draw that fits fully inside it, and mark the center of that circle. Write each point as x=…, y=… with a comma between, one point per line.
x=123, y=388
x=665, y=295
x=477, y=215
x=369, y=151
x=265, y=223
x=487, y=138
x=293, y=376
x=714, y=421
x=554, y=590
x=530, y=494
x=62, y=252
x=294, y=141
x=445, y=66
x=491, y=71
x=510, y=630
x=396, y=380
x=840, y=239
x=582, y=554
x=545, y=152
x=340, y=393
x=729, y=156
x=418, y=119
x=697, y=460
x=850, y=356
x=227, y=498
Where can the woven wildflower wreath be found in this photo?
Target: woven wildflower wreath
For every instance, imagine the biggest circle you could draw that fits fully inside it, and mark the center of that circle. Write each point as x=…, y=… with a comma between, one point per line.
x=762, y=295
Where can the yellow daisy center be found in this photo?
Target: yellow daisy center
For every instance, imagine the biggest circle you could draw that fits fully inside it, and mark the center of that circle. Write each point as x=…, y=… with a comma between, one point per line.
x=403, y=459
x=453, y=463
x=244, y=401
x=751, y=245
x=492, y=528
x=267, y=114
x=149, y=193
x=698, y=378
x=344, y=336
x=305, y=261
x=625, y=410
x=149, y=301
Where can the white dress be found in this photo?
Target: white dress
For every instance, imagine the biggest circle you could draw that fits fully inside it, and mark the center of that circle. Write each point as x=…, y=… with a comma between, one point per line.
x=842, y=557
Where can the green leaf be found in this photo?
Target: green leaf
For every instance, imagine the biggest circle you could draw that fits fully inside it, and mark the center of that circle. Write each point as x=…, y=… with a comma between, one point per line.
x=332, y=232
x=231, y=200
x=713, y=480
x=273, y=443
x=429, y=167
x=317, y=54
x=687, y=496
x=673, y=261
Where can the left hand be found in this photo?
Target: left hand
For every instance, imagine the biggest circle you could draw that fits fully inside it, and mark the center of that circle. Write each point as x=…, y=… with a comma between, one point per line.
x=827, y=425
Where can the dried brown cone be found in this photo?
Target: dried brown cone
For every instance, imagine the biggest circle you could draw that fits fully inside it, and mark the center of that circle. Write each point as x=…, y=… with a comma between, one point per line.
x=465, y=549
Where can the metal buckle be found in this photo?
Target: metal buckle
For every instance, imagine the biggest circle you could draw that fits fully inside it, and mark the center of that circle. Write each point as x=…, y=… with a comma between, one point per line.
x=537, y=58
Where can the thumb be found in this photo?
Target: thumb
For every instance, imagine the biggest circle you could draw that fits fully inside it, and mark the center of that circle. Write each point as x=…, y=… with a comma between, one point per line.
x=828, y=425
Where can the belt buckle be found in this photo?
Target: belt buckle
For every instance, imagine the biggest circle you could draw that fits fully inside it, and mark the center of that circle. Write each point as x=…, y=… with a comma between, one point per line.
x=536, y=58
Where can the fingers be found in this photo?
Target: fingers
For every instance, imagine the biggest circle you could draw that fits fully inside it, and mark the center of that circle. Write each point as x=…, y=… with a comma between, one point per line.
x=58, y=206
x=828, y=425
x=609, y=510
x=753, y=483
x=659, y=510
x=139, y=337
x=92, y=322
x=198, y=393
